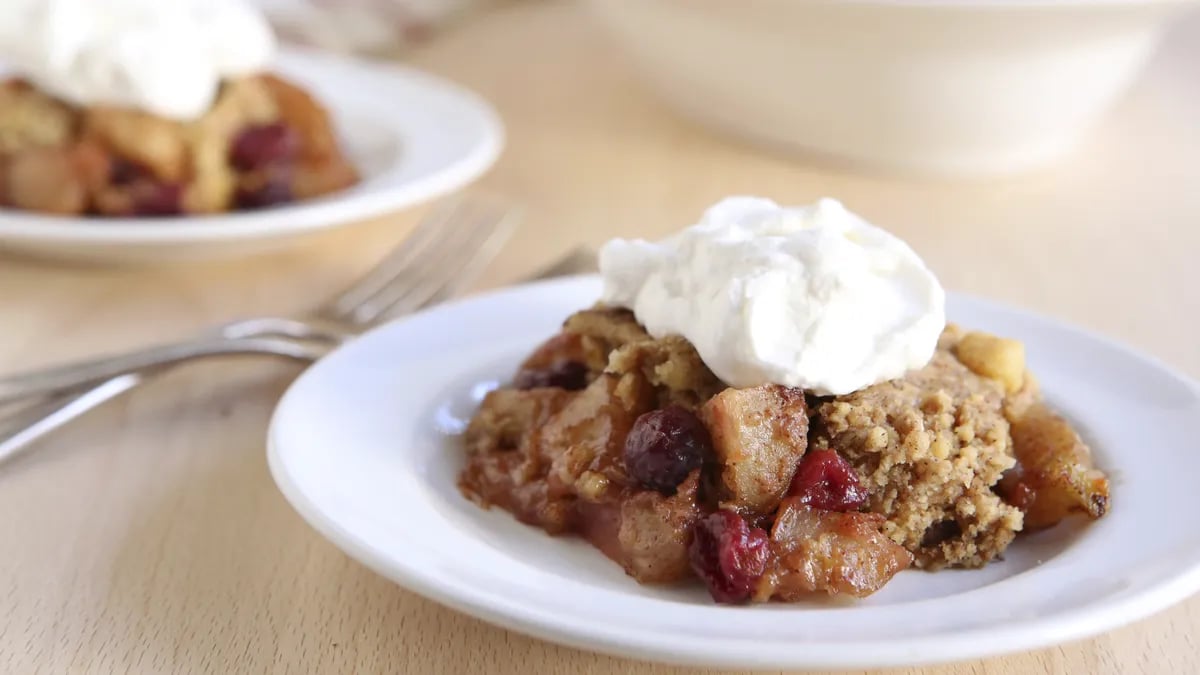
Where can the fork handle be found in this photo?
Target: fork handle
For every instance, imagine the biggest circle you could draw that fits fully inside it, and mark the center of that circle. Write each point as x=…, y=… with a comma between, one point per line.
x=75, y=375
x=55, y=412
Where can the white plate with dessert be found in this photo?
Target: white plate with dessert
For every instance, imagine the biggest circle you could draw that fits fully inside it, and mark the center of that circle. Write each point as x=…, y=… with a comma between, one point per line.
x=144, y=136
x=765, y=447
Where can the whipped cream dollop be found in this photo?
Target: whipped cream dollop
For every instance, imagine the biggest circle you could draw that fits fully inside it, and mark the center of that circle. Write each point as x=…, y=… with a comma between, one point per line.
x=812, y=297
x=165, y=57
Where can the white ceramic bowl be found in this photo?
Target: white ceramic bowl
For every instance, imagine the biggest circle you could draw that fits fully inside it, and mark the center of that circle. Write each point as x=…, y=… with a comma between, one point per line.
x=942, y=86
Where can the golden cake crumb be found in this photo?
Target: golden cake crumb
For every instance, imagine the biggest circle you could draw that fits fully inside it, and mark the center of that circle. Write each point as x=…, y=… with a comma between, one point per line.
x=930, y=446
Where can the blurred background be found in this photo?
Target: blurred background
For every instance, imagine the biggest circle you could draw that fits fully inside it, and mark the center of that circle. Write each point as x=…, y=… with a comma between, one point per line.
x=993, y=135
x=381, y=27
x=966, y=89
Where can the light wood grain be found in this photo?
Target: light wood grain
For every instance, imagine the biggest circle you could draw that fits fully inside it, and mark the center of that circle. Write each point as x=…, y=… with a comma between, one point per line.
x=149, y=537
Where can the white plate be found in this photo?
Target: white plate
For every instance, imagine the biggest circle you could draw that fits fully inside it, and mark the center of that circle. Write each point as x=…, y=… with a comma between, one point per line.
x=362, y=446
x=412, y=136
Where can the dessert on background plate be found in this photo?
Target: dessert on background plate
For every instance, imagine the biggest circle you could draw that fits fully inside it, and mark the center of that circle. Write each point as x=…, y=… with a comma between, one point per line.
x=149, y=108
x=772, y=402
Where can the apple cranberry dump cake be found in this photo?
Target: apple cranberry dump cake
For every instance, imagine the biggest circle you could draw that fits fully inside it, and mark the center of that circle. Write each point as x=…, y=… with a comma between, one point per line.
x=148, y=108
x=621, y=430
x=263, y=142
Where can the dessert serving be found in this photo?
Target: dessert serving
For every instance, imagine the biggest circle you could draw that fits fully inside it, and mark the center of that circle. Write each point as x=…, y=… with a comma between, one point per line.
x=149, y=108
x=771, y=402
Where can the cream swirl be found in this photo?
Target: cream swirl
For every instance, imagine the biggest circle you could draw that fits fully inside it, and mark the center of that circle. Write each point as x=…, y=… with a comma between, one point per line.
x=166, y=57
x=812, y=297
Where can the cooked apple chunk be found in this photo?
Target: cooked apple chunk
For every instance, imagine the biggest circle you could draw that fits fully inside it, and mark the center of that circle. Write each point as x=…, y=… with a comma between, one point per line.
x=1055, y=476
x=995, y=358
x=759, y=435
x=828, y=551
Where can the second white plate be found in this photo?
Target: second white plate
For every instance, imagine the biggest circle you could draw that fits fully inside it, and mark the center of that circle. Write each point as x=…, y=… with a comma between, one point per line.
x=363, y=445
x=412, y=136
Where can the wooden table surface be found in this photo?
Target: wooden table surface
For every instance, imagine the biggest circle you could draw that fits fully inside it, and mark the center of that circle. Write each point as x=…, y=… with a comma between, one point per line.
x=149, y=537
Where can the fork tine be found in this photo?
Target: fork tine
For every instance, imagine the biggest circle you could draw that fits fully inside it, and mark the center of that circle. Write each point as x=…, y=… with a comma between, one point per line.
x=401, y=258
x=470, y=270
x=475, y=233
x=487, y=241
x=435, y=289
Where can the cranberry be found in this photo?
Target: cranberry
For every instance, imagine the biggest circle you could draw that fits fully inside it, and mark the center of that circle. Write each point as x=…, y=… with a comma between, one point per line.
x=570, y=375
x=825, y=480
x=664, y=446
x=728, y=555
x=258, y=146
x=274, y=190
x=1014, y=489
x=151, y=198
x=124, y=172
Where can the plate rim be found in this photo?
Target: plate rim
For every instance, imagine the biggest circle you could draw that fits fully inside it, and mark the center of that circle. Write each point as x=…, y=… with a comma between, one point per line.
x=321, y=213
x=1073, y=624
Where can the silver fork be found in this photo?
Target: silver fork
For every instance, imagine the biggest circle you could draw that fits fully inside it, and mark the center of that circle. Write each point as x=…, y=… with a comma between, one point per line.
x=41, y=420
x=442, y=255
